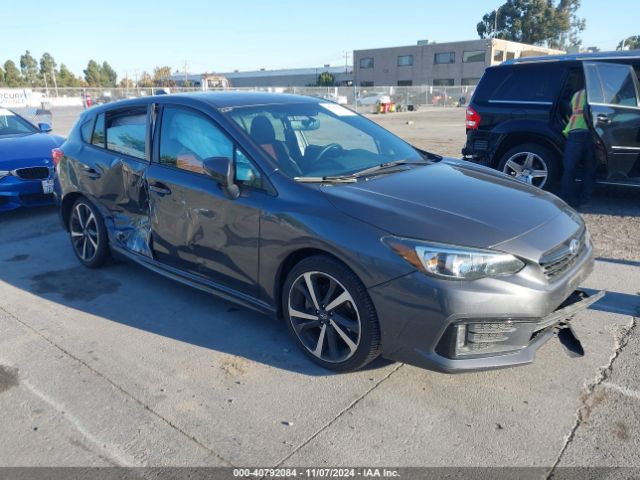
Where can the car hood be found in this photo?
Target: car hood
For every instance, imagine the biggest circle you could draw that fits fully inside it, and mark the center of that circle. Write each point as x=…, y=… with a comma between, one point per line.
x=17, y=152
x=453, y=202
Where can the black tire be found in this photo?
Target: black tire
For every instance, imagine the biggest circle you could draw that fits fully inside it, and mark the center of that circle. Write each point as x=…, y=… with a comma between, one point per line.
x=549, y=159
x=89, y=241
x=356, y=317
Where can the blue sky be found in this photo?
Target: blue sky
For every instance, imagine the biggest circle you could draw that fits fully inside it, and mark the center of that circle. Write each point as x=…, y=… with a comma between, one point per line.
x=250, y=34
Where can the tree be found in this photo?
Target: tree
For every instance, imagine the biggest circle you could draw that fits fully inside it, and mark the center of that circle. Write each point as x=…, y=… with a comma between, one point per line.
x=12, y=76
x=93, y=74
x=326, y=79
x=537, y=22
x=109, y=75
x=1, y=77
x=66, y=78
x=29, y=68
x=47, y=64
x=630, y=43
x=162, y=77
x=145, y=80
x=126, y=83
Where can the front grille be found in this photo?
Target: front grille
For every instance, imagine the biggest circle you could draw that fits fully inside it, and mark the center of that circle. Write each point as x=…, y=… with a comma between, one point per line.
x=561, y=258
x=33, y=173
x=36, y=198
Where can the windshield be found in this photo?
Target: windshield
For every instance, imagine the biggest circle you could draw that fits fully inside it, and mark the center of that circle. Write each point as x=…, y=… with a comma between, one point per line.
x=13, y=125
x=321, y=139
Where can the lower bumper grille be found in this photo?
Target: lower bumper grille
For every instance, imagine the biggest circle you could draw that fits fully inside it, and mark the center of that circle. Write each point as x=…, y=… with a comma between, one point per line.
x=33, y=173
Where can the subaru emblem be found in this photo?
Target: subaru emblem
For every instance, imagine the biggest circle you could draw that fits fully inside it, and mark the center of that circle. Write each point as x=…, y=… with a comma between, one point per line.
x=573, y=246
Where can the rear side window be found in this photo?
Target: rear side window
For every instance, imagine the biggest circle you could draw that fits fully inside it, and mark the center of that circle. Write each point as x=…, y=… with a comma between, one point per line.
x=126, y=132
x=529, y=83
x=98, y=132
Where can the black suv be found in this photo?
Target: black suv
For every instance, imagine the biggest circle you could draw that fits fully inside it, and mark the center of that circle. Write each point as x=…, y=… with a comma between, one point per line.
x=519, y=109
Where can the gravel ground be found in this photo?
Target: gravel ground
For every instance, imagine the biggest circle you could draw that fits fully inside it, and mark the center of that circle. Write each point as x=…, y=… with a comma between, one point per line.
x=613, y=217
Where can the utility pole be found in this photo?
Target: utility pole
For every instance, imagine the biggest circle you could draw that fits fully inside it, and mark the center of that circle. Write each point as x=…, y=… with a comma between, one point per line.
x=55, y=83
x=495, y=24
x=346, y=62
x=46, y=87
x=186, y=75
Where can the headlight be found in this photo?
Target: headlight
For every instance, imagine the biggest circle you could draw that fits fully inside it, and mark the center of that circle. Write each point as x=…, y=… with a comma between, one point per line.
x=452, y=262
x=4, y=173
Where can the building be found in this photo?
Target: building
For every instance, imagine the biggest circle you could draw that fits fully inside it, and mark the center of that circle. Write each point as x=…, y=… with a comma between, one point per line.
x=442, y=64
x=291, y=77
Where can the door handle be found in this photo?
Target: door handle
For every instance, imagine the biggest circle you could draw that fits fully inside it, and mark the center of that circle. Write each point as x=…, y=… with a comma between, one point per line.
x=89, y=171
x=160, y=188
x=603, y=119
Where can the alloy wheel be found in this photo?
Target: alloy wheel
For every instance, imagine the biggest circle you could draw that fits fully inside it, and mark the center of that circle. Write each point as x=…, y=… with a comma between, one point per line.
x=84, y=232
x=324, y=317
x=527, y=167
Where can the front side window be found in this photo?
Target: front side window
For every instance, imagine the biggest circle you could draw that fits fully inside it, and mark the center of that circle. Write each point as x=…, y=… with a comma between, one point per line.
x=188, y=138
x=321, y=139
x=366, y=62
x=443, y=58
x=126, y=132
x=14, y=125
x=472, y=57
x=405, y=60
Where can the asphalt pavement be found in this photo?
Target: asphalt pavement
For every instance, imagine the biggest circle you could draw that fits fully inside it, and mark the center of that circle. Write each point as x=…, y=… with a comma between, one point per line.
x=120, y=366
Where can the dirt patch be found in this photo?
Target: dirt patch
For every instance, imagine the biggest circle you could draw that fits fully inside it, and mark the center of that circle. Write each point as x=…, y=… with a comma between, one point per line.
x=235, y=367
x=621, y=431
x=77, y=283
x=8, y=378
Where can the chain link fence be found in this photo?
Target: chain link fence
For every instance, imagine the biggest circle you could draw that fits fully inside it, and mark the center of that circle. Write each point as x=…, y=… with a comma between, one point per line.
x=361, y=99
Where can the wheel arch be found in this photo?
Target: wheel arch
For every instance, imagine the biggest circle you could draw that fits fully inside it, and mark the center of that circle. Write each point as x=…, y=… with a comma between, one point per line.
x=290, y=261
x=65, y=207
x=513, y=139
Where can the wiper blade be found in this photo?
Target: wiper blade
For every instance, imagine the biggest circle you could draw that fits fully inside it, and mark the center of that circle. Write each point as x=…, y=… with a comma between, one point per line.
x=385, y=166
x=325, y=179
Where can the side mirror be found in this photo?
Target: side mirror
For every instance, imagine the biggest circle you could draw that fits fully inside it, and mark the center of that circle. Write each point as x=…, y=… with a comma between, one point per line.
x=44, y=127
x=222, y=170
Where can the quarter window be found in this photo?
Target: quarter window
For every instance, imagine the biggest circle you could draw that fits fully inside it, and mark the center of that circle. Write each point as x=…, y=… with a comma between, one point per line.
x=443, y=58
x=405, y=60
x=474, y=56
x=366, y=62
x=126, y=132
x=529, y=83
x=98, y=132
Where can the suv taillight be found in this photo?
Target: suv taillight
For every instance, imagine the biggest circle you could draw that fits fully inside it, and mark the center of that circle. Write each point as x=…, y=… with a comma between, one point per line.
x=56, y=155
x=473, y=119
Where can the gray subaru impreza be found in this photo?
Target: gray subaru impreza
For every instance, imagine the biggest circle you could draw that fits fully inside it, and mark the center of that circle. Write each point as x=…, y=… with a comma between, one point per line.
x=305, y=210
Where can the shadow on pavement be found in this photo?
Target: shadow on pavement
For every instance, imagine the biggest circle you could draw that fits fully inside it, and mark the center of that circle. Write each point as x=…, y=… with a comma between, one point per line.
x=41, y=261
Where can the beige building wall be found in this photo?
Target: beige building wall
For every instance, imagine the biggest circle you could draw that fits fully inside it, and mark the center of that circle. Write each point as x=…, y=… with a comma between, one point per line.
x=466, y=67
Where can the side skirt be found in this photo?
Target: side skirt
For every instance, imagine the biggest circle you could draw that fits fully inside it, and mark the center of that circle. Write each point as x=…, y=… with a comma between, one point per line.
x=196, y=282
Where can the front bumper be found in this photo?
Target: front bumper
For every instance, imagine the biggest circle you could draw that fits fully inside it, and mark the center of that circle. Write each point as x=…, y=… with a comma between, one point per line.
x=16, y=192
x=419, y=318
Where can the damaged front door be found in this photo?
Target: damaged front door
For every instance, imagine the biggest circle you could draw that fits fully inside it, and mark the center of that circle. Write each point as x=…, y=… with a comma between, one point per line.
x=196, y=227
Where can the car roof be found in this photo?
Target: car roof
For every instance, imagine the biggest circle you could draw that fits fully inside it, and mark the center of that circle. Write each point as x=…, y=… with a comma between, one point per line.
x=576, y=57
x=218, y=99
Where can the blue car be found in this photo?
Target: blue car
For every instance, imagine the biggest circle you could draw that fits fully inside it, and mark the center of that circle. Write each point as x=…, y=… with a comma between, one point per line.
x=26, y=164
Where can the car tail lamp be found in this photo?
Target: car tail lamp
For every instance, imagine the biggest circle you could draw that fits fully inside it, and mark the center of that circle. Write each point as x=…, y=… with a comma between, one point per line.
x=56, y=156
x=473, y=119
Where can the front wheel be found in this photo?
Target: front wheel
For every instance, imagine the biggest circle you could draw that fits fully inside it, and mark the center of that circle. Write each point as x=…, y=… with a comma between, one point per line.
x=532, y=164
x=88, y=234
x=330, y=314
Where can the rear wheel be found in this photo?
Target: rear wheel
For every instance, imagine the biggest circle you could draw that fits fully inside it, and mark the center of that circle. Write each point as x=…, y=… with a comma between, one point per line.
x=88, y=234
x=330, y=314
x=532, y=164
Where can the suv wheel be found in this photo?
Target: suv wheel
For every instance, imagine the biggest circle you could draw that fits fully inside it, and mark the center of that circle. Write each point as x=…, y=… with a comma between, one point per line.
x=532, y=164
x=330, y=314
x=88, y=234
